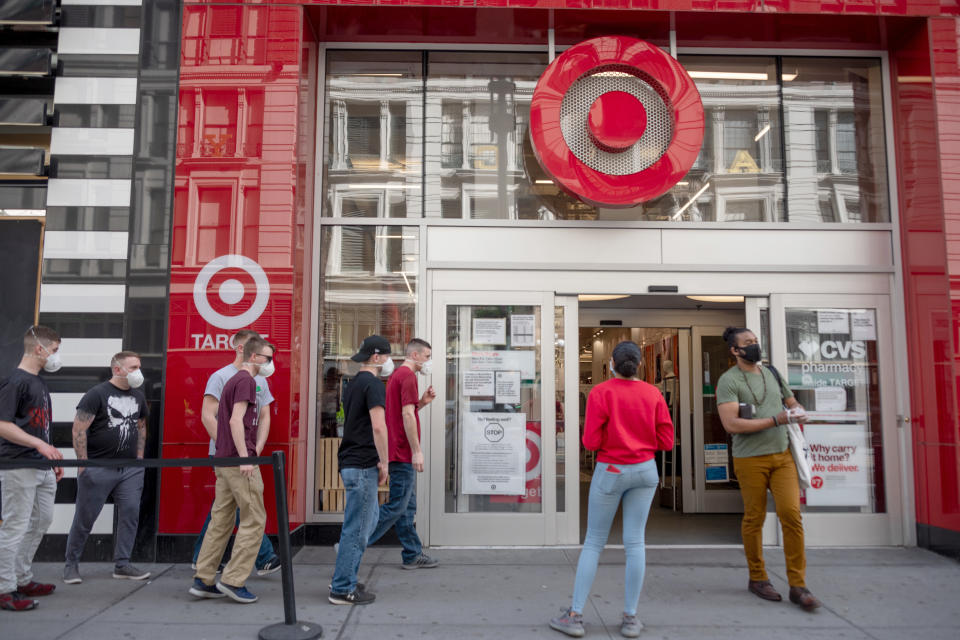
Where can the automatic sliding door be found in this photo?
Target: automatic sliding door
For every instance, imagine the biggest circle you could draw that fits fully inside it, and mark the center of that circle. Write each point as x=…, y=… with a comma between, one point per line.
x=715, y=483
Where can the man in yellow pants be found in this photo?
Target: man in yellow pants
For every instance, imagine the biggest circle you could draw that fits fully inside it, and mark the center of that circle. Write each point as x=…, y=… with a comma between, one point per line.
x=750, y=401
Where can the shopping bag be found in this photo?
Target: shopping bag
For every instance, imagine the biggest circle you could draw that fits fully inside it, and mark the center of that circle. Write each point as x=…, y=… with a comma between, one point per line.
x=801, y=454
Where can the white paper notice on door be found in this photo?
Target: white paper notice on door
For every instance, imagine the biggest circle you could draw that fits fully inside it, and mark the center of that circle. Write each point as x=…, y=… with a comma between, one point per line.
x=863, y=325
x=494, y=453
x=523, y=330
x=508, y=387
x=523, y=361
x=830, y=398
x=477, y=383
x=489, y=331
x=833, y=322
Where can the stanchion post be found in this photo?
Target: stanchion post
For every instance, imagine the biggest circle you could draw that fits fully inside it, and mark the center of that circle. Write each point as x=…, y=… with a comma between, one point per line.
x=289, y=629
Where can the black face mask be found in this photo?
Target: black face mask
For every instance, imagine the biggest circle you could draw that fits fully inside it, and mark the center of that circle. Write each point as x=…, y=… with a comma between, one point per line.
x=750, y=353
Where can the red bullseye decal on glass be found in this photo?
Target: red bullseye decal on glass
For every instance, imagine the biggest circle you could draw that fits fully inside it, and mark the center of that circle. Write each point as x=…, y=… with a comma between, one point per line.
x=616, y=121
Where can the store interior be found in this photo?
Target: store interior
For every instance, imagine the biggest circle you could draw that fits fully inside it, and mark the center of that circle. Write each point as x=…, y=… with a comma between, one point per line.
x=664, y=368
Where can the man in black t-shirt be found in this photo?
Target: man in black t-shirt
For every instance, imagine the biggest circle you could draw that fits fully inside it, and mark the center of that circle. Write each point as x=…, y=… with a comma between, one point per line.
x=28, y=494
x=111, y=422
x=363, y=466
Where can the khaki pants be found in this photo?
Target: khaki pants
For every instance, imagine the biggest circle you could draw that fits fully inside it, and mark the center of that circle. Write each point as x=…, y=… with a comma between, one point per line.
x=778, y=472
x=234, y=491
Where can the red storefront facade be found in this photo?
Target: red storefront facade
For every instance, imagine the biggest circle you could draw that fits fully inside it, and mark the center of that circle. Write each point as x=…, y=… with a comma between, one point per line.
x=246, y=176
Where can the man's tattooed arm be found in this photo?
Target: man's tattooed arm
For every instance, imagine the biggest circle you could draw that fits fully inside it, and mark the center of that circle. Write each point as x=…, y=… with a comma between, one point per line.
x=141, y=437
x=81, y=423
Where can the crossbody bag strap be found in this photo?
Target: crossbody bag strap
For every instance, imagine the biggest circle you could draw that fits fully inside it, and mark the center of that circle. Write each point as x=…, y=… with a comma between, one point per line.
x=776, y=374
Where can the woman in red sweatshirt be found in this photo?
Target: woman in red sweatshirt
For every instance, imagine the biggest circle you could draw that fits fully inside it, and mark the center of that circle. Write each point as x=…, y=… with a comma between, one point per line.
x=627, y=421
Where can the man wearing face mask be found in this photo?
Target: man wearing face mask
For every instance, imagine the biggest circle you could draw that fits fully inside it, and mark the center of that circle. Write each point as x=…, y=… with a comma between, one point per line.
x=406, y=457
x=111, y=422
x=239, y=434
x=363, y=459
x=750, y=402
x=28, y=494
x=267, y=561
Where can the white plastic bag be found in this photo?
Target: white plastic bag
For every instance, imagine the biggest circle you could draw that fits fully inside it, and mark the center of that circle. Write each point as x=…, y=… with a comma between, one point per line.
x=801, y=454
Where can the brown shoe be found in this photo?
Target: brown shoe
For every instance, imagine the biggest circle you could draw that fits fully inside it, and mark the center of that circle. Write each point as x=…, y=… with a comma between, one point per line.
x=763, y=589
x=801, y=596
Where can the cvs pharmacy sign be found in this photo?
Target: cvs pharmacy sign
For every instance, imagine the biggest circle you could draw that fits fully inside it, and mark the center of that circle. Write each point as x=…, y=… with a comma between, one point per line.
x=834, y=349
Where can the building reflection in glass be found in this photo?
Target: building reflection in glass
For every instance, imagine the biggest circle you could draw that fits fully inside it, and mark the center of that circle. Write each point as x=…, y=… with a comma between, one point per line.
x=807, y=146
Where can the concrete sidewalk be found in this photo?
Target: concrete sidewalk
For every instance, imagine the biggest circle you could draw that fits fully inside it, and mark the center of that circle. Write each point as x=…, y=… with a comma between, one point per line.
x=884, y=594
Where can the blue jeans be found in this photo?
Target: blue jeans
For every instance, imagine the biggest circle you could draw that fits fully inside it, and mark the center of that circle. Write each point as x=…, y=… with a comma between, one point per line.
x=635, y=486
x=264, y=555
x=401, y=510
x=359, y=521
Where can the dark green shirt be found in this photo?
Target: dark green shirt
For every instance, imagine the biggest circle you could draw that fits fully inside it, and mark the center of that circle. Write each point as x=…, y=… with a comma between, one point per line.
x=736, y=385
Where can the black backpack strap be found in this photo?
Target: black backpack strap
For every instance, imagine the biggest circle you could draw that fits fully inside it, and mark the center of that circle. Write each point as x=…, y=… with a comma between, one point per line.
x=776, y=374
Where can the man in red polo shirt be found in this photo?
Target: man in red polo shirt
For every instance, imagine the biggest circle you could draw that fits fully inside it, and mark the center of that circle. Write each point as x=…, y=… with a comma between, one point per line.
x=406, y=457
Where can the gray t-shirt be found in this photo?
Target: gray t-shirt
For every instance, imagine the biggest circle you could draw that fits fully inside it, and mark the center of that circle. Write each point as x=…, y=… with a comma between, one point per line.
x=219, y=379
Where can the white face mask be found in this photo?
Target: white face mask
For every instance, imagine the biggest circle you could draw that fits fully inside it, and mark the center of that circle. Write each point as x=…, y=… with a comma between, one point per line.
x=266, y=370
x=426, y=367
x=387, y=367
x=53, y=363
x=135, y=379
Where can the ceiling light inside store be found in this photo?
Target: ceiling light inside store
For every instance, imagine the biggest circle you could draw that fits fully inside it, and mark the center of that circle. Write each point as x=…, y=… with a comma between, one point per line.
x=727, y=75
x=679, y=213
x=378, y=75
x=600, y=297
x=716, y=298
x=406, y=281
x=762, y=133
x=543, y=182
x=789, y=77
x=380, y=185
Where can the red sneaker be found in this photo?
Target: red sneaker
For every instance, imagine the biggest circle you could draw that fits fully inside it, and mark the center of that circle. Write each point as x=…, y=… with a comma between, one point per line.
x=15, y=602
x=33, y=589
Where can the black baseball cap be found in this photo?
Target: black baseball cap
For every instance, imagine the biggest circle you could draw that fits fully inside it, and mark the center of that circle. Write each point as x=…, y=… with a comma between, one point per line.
x=371, y=346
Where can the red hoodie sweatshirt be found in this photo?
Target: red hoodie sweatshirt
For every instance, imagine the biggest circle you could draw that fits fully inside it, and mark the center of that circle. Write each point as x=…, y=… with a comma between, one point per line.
x=627, y=421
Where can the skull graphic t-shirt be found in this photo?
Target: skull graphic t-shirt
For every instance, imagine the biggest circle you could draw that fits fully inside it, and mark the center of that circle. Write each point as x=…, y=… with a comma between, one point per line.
x=116, y=412
x=25, y=401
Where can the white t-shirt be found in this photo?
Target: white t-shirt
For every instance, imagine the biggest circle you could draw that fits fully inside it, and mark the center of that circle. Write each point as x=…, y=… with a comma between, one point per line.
x=215, y=388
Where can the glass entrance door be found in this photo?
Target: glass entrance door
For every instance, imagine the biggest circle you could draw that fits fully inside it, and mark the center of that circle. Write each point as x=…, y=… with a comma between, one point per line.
x=836, y=353
x=494, y=446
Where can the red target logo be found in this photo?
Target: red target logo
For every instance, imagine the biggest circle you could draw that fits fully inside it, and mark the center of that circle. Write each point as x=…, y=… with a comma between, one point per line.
x=616, y=121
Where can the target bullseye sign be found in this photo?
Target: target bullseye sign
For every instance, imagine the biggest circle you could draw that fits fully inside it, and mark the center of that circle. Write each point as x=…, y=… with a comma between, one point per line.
x=616, y=121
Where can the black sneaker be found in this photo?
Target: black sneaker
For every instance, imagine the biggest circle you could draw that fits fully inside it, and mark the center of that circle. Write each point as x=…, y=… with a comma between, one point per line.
x=422, y=561
x=354, y=597
x=272, y=566
x=360, y=586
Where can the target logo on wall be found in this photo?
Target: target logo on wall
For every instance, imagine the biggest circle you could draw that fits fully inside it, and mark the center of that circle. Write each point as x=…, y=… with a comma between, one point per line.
x=231, y=291
x=616, y=121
